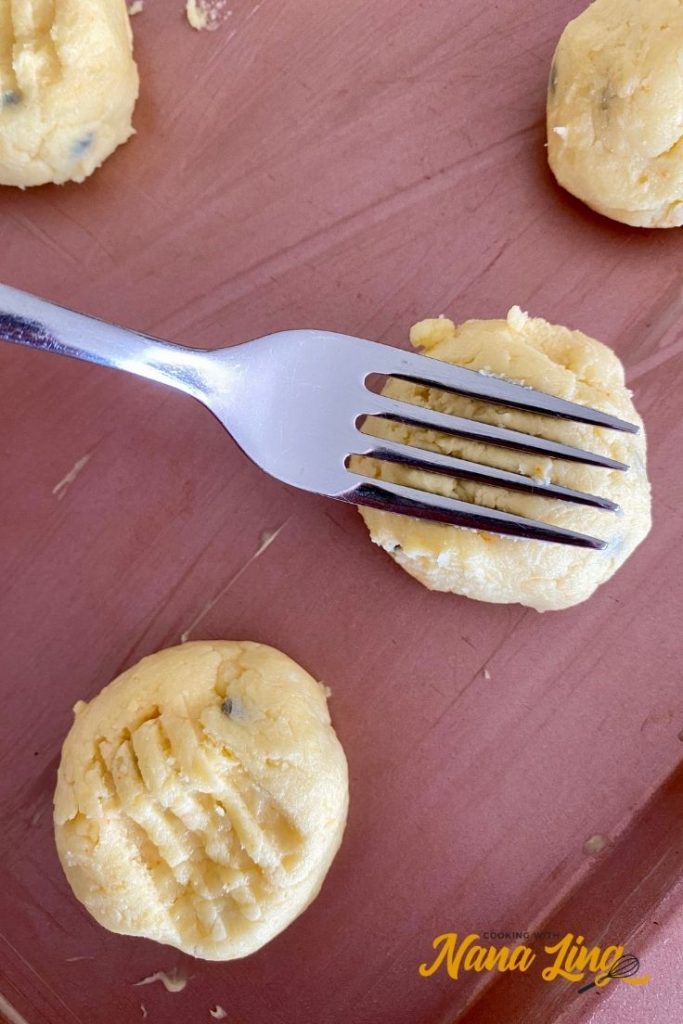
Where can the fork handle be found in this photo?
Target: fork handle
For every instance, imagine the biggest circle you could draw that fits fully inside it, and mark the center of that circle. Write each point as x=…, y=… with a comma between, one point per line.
x=27, y=320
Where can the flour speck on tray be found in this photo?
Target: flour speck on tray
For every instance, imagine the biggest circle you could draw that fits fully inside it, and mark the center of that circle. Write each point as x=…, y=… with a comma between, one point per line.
x=172, y=982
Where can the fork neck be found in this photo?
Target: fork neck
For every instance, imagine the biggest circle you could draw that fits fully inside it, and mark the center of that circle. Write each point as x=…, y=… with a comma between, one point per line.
x=27, y=320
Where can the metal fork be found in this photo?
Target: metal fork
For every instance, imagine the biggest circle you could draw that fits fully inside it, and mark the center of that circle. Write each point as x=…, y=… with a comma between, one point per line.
x=295, y=401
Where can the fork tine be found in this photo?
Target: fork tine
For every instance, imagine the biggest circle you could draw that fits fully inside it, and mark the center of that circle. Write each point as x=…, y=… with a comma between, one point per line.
x=389, y=497
x=418, y=458
x=419, y=369
x=417, y=415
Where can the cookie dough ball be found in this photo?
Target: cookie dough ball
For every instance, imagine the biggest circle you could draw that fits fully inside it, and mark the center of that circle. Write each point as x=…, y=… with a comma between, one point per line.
x=615, y=111
x=68, y=86
x=201, y=798
x=487, y=566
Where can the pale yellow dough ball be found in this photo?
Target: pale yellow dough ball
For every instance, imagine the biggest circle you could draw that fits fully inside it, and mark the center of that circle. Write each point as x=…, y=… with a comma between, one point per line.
x=615, y=111
x=68, y=86
x=487, y=566
x=201, y=798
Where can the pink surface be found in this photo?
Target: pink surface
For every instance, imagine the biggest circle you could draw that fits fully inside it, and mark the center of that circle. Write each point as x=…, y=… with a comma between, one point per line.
x=656, y=1001
x=352, y=166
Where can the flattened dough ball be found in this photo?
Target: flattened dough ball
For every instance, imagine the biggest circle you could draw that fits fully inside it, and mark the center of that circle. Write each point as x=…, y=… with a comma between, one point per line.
x=68, y=86
x=201, y=798
x=615, y=111
x=487, y=566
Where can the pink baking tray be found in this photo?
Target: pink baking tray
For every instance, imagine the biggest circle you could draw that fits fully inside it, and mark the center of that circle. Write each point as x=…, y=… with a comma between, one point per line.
x=353, y=166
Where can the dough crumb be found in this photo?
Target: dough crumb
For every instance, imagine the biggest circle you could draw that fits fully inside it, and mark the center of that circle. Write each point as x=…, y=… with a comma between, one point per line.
x=60, y=489
x=137, y=7
x=143, y=1010
x=205, y=15
x=596, y=844
x=172, y=982
x=517, y=318
x=487, y=674
x=218, y=1013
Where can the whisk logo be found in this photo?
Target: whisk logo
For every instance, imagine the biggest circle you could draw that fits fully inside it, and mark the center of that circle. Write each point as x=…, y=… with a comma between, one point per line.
x=570, y=959
x=624, y=969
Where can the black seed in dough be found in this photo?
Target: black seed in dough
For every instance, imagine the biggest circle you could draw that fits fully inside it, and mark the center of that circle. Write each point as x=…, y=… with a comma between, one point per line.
x=11, y=98
x=606, y=97
x=82, y=145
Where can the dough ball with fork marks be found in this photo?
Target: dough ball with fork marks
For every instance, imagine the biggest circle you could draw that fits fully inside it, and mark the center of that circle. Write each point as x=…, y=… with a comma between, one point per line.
x=201, y=798
x=68, y=86
x=488, y=566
